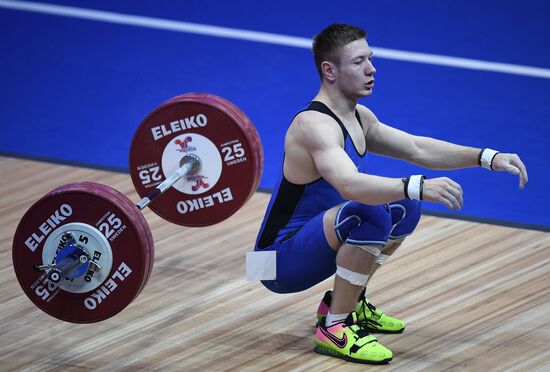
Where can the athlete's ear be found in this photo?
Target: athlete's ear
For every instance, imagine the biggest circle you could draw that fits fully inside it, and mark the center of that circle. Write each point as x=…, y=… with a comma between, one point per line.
x=329, y=70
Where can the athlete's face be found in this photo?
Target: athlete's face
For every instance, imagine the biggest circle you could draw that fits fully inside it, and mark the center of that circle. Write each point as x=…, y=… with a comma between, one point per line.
x=355, y=72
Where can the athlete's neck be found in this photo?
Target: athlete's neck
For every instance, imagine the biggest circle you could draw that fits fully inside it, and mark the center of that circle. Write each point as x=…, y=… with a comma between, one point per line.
x=341, y=105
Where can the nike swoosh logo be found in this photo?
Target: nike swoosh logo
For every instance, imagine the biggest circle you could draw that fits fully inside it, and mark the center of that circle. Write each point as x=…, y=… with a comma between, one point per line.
x=340, y=342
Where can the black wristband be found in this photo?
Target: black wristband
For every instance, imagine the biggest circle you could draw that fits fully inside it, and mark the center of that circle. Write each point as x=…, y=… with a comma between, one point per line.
x=479, y=157
x=406, y=186
x=422, y=187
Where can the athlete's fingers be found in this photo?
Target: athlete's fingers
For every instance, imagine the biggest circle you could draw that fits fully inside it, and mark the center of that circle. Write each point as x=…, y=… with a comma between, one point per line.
x=456, y=187
x=523, y=178
x=459, y=198
x=453, y=200
x=517, y=172
x=441, y=199
x=511, y=169
x=447, y=203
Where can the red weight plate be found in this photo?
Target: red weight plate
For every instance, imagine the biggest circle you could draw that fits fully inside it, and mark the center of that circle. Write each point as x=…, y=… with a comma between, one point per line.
x=135, y=215
x=218, y=133
x=239, y=117
x=108, y=218
x=254, y=139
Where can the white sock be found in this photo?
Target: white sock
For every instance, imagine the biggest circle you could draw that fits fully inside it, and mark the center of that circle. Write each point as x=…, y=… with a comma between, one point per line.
x=332, y=319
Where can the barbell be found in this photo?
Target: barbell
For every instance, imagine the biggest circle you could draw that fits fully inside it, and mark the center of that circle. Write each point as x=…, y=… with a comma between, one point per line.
x=84, y=251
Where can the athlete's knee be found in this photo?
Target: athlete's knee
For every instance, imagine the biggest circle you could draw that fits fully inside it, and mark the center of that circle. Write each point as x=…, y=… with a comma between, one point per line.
x=405, y=215
x=363, y=225
x=388, y=250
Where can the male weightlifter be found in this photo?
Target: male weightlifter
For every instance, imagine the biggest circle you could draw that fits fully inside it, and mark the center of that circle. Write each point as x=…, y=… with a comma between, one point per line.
x=328, y=215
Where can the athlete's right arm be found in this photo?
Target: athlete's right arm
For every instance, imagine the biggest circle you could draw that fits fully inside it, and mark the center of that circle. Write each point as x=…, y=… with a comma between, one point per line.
x=323, y=142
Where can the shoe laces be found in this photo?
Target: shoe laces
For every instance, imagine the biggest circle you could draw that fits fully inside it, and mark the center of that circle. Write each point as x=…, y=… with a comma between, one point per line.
x=363, y=337
x=359, y=330
x=356, y=326
x=372, y=308
x=367, y=322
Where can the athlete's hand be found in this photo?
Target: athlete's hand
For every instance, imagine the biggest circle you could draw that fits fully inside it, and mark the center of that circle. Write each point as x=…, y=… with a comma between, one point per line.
x=443, y=190
x=511, y=163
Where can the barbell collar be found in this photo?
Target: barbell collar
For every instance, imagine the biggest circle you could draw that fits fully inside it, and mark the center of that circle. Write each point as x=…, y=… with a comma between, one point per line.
x=191, y=165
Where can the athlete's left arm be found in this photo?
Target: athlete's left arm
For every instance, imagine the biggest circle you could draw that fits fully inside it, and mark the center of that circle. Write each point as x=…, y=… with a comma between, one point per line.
x=429, y=152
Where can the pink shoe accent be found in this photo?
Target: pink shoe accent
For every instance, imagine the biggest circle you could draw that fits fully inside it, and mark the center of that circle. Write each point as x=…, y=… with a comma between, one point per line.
x=323, y=309
x=335, y=335
x=320, y=335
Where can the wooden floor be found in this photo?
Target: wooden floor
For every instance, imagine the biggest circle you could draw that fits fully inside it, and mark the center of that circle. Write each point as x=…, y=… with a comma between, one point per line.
x=474, y=297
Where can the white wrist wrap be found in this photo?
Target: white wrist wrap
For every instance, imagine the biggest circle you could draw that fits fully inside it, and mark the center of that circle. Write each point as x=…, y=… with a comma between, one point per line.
x=414, y=187
x=486, y=158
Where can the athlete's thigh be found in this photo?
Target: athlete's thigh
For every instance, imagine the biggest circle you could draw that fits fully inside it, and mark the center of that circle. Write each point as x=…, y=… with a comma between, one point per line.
x=304, y=259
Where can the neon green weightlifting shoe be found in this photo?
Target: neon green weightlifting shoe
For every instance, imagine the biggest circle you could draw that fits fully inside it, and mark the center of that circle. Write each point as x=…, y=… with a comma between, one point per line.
x=370, y=318
x=348, y=340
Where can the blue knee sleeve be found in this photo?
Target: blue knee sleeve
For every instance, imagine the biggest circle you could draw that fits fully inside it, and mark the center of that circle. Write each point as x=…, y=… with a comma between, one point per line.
x=363, y=224
x=405, y=215
x=306, y=258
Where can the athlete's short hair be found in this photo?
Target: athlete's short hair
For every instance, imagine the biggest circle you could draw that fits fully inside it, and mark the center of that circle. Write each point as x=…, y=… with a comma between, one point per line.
x=328, y=42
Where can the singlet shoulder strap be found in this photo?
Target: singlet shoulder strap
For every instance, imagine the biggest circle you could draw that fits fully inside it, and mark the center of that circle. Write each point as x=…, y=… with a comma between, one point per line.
x=358, y=118
x=322, y=108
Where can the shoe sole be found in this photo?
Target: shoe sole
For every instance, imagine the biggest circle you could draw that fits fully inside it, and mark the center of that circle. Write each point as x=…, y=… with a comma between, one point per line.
x=327, y=351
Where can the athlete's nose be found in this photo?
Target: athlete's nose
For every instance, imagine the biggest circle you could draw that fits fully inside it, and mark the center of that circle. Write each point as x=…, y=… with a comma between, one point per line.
x=370, y=69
